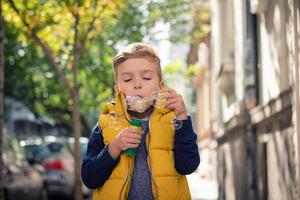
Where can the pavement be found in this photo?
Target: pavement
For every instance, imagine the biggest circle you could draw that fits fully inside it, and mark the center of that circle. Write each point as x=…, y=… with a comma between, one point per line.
x=202, y=188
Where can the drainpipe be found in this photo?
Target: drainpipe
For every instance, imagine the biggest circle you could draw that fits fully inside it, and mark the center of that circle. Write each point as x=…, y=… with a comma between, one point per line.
x=251, y=98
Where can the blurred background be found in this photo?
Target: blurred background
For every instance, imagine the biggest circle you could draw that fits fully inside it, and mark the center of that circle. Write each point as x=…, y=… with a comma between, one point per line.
x=236, y=63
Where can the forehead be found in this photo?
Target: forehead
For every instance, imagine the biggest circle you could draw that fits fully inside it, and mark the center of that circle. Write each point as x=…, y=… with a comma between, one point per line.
x=135, y=65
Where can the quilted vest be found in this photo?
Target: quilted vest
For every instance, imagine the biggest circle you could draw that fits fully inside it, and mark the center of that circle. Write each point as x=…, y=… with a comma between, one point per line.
x=167, y=183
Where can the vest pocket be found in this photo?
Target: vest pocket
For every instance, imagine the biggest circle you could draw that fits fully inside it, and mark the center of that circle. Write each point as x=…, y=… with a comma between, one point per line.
x=110, y=190
x=168, y=188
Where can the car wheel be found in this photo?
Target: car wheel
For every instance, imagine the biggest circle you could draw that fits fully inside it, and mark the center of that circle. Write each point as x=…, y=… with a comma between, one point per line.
x=6, y=195
x=44, y=194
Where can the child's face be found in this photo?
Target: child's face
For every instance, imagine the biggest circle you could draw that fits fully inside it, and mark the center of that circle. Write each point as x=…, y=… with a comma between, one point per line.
x=138, y=77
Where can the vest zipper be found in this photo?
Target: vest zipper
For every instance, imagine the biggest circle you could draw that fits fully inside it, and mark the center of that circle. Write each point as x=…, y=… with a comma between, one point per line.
x=127, y=177
x=150, y=166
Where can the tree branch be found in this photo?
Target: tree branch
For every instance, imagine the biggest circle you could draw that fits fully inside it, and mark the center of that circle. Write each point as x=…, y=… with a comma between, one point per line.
x=47, y=51
x=92, y=22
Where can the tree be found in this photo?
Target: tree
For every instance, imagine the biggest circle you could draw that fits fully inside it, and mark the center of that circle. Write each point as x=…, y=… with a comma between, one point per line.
x=62, y=29
x=30, y=78
x=200, y=29
x=1, y=98
x=78, y=39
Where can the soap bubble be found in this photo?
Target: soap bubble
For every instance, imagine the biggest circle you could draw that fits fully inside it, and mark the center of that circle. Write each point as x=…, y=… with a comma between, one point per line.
x=138, y=104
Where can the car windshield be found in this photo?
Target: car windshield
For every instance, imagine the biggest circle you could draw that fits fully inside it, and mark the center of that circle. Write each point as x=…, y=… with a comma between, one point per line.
x=55, y=147
x=38, y=152
x=83, y=145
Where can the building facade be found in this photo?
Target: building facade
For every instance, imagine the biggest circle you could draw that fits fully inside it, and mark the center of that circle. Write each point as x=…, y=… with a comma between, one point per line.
x=254, y=90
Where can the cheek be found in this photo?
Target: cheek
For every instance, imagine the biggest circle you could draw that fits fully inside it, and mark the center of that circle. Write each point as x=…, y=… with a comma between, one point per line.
x=123, y=87
x=126, y=89
x=120, y=86
x=153, y=86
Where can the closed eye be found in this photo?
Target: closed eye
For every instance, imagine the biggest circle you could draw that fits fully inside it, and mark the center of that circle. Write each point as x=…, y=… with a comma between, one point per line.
x=146, y=78
x=127, y=80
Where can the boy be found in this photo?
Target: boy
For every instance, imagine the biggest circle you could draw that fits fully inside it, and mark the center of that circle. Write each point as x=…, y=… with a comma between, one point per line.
x=164, y=155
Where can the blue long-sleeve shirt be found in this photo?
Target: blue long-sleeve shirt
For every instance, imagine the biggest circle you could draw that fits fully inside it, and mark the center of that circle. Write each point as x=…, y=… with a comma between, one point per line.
x=98, y=165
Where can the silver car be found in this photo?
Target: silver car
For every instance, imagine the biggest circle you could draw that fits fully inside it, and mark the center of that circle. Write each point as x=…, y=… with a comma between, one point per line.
x=59, y=166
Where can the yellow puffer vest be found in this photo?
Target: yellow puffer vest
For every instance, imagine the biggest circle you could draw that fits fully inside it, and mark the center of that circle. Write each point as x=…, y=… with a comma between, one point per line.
x=167, y=183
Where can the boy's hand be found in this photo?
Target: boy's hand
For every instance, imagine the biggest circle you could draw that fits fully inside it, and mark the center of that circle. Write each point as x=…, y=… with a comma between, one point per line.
x=175, y=102
x=127, y=138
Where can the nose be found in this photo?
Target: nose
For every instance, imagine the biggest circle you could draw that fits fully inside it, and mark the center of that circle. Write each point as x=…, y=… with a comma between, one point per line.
x=137, y=84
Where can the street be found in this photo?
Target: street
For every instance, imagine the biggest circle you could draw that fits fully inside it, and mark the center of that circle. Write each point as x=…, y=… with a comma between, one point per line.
x=202, y=188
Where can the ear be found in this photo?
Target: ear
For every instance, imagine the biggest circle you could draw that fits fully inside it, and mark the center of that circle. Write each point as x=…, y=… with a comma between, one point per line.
x=161, y=85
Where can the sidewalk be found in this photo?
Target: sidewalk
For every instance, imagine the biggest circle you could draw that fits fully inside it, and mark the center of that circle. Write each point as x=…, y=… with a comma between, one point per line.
x=202, y=188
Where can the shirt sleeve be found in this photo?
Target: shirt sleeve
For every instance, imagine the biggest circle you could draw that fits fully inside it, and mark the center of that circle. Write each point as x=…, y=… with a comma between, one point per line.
x=97, y=164
x=186, y=152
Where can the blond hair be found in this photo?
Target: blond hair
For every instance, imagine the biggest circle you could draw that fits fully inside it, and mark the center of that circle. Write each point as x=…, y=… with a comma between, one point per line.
x=137, y=50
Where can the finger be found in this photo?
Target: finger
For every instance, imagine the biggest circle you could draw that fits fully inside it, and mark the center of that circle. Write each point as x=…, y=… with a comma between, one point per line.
x=172, y=94
x=173, y=100
x=169, y=90
x=165, y=93
x=170, y=102
x=177, y=108
x=134, y=131
x=131, y=146
x=172, y=106
x=127, y=140
x=132, y=141
x=131, y=134
x=134, y=136
x=128, y=143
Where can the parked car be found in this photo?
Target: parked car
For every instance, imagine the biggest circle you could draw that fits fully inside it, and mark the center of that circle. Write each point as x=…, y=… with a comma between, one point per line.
x=21, y=181
x=36, y=151
x=83, y=141
x=59, y=166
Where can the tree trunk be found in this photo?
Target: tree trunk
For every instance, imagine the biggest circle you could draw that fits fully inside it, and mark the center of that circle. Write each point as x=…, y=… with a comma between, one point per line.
x=77, y=133
x=76, y=110
x=192, y=56
x=1, y=97
x=74, y=91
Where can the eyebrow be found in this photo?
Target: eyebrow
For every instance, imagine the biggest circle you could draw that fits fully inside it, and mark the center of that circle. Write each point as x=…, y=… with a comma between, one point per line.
x=150, y=72
x=147, y=70
x=142, y=72
x=125, y=73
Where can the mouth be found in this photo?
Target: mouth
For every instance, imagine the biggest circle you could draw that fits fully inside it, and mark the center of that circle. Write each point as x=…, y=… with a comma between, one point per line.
x=138, y=103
